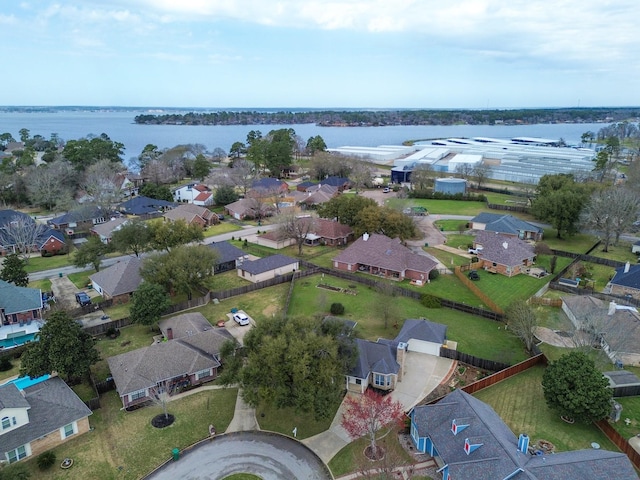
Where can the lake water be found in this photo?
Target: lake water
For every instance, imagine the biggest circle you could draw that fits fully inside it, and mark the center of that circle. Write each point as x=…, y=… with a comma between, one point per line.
x=120, y=127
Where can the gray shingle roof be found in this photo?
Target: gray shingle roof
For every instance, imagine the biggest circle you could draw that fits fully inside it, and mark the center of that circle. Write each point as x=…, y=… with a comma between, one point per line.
x=374, y=358
x=185, y=324
x=422, y=330
x=142, y=205
x=19, y=299
x=144, y=367
x=266, y=264
x=508, y=224
x=503, y=249
x=120, y=278
x=498, y=457
x=226, y=252
x=53, y=405
x=386, y=253
x=10, y=397
x=620, y=378
x=106, y=229
x=629, y=279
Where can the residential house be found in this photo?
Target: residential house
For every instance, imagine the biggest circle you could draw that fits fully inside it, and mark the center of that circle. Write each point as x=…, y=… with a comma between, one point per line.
x=129, y=183
x=145, y=206
x=503, y=254
x=506, y=225
x=192, y=214
x=377, y=366
x=303, y=186
x=380, y=364
x=21, y=314
x=274, y=239
x=380, y=255
x=617, y=326
x=249, y=208
x=80, y=219
x=341, y=183
x=625, y=282
x=228, y=256
x=119, y=281
x=39, y=418
x=329, y=232
x=8, y=217
x=104, y=231
x=314, y=196
x=52, y=242
x=268, y=185
x=467, y=439
x=195, y=193
x=189, y=357
x=267, y=268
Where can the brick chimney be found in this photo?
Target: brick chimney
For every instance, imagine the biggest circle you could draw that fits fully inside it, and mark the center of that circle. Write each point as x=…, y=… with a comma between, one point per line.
x=169, y=333
x=401, y=351
x=612, y=308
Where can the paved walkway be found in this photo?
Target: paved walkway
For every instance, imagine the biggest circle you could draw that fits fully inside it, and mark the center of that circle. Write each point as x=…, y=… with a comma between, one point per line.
x=403, y=472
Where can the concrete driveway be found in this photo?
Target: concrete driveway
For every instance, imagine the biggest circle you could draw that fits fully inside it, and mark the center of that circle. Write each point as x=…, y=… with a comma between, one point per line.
x=64, y=291
x=238, y=331
x=422, y=373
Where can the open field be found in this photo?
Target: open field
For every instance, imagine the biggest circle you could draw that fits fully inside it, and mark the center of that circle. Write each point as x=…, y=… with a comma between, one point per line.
x=283, y=420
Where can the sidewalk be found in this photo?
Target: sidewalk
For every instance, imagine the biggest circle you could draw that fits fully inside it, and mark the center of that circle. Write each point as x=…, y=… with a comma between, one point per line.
x=403, y=471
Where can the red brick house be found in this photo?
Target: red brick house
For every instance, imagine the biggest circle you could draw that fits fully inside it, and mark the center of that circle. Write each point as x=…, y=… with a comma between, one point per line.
x=385, y=257
x=503, y=254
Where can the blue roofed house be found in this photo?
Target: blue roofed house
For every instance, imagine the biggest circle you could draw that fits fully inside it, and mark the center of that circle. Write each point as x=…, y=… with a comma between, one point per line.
x=380, y=364
x=506, y=225
x=39, y=418
x=266, y=268
x=21, y=313
x=268, y=185
x=469, y=440
x=341, y=183
x=625, y=282
x=227, y=254
x=82, y=218
x=145, y=206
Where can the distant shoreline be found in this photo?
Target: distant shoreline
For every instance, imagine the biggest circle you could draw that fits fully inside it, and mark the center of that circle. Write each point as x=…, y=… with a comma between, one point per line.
x=383, y=118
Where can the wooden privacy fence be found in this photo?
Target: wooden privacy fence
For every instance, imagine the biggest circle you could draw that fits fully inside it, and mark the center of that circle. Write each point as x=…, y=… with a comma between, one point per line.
x=619, y=441
x=549, y=302
x=505, y=373
x=471, y=360
x=477, y=292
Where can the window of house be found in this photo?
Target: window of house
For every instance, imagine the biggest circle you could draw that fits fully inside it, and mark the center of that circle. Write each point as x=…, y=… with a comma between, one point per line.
x=138, y=394
x=203, y=373
x=358, y=381
x=68, y=430
x=381, y=380
x=6, y=422
x=17, y=454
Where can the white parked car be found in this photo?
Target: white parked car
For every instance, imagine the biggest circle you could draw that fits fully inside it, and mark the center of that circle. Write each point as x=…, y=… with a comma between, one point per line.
x=241, y=318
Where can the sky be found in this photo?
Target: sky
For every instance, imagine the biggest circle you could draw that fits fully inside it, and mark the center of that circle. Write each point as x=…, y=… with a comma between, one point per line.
x=321, y=53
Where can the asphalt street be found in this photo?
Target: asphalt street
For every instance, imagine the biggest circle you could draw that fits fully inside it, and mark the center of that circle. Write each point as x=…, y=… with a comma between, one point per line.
x=107, y=262
x=269, y=456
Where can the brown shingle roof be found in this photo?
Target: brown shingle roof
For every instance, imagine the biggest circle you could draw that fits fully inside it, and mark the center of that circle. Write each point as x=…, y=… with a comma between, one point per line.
x=386, y=253
x=503, y=249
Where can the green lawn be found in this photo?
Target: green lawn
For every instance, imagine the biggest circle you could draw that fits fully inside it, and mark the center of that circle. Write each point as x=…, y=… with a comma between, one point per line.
x=519, y=400
x=630, y=410
x=455, y=240
x=475, y=335
x=37, y=264
x=450, y=225
x=578, y=243
x=44, y=284
x=125, y=446
x=443, y=207
x=620, y=252
x=222, y=227
x=450, y=260
x=81, y=279
x=131, y=338
x=284, y=420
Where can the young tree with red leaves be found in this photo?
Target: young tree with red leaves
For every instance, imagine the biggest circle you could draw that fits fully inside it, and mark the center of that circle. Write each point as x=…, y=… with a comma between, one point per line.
x=366, y=414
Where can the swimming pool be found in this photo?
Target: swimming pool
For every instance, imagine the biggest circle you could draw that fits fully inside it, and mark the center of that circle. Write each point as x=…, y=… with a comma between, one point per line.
x=24, y=382
x=14, y=342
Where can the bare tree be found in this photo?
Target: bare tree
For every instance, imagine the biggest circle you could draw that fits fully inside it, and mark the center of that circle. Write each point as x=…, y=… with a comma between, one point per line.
x=422, y=176
x=22, y=234
x=385, y=305
x=522, y=322
x=610, y=212
x=242, y=175
x=161, y=396
x=50, y=186
x=465, y=170
x=480, y=172
x=298, y=228
x=361, y=173
x=101, y=182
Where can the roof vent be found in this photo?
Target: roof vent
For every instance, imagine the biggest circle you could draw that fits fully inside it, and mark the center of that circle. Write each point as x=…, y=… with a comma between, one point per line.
x=365, y=236
x=626, y=267
x=505, y=245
